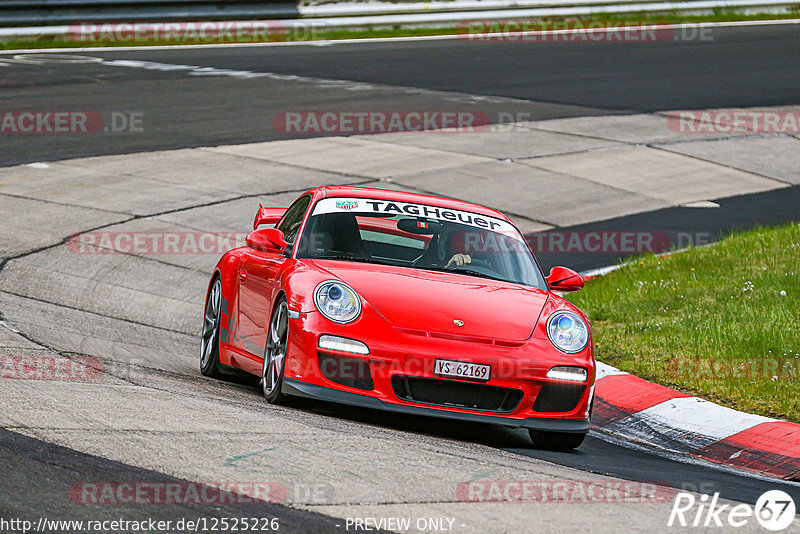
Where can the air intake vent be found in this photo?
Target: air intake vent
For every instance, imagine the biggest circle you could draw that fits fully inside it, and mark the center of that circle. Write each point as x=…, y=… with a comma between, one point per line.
x=558, y=398
x=346, y=371
x=456, y=394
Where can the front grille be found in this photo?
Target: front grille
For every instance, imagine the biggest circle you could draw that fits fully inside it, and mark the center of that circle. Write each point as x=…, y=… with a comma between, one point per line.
x=348, y=372
x=558, y=397
x=456, y=394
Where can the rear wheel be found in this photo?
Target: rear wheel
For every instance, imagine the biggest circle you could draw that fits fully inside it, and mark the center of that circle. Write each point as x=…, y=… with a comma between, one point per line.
x=275, y=354
x=556, y=441
x=209, y=350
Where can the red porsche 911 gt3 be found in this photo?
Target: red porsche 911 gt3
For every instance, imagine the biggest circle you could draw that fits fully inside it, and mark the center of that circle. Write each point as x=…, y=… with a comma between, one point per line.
x=403, y=302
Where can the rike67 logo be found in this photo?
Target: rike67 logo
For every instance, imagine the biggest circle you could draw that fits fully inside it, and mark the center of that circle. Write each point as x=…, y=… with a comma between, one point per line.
x=774, y=510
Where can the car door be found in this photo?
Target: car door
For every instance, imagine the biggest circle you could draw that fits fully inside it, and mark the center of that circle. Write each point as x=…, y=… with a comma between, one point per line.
x=258, y=282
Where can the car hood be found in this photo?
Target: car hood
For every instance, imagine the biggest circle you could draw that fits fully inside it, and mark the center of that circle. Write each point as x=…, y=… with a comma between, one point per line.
x=433, y=301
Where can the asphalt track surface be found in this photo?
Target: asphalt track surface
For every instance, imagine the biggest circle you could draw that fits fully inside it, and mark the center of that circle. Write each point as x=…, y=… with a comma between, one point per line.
x=728, y=67
x=599, y=455
x=55, y=470
x=697, y=226
x=741, y=67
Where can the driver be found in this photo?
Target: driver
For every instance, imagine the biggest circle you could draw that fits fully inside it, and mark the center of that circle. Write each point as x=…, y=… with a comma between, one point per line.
x=458, y=259
x=443, y=254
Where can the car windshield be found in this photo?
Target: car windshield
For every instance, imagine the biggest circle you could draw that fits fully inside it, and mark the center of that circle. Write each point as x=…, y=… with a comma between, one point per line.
x=418, y=236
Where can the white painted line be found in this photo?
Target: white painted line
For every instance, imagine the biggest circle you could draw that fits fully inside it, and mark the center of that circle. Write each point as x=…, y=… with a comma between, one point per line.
x=604, y=370
x=9, y=327
x=392, y=39
x=700, y=204
x=696, y=417
x=600, y=271
x=197, y=70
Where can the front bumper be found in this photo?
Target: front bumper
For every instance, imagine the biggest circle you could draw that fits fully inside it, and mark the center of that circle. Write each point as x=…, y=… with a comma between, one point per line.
x=298, y=388
x=400, y=361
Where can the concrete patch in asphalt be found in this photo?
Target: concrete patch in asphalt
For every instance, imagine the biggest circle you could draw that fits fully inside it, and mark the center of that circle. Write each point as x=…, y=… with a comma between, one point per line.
x=200, y=168
x=125, y=287
x=776, y=157
x=78, y=183
x=353, y=157
x=12, y=340
x=29, y=224
x=659, y=174
x=231, y=216
x=165, y=242
x=549, y=198
x=636, y=129
x=210, y=169
x=498, y=141
x=76, y=331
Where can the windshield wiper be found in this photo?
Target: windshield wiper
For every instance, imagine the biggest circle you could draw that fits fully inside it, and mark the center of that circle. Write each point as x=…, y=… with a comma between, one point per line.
x=468, y=272
x=342, y=257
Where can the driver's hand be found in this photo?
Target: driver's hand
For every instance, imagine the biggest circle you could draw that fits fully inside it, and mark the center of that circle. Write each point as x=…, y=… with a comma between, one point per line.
x=458, y=260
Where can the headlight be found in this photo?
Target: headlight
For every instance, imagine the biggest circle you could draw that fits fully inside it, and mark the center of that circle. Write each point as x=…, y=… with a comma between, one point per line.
x=567, y=332
x=337, y=301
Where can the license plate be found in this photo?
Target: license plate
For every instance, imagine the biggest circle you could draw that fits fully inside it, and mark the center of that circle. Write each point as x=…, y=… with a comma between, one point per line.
x=472, y=371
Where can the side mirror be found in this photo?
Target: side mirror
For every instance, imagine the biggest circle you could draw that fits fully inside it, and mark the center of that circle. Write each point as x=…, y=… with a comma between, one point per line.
x=266, y=240
x=564, y=279
x=267, y=216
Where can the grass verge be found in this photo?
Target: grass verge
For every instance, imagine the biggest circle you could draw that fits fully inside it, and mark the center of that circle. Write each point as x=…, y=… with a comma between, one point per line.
x=720, y=322
x=322, y=34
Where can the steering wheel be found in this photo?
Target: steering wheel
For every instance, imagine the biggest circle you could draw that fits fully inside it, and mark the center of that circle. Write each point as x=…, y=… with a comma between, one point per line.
x=360, y=255
x=475, y=265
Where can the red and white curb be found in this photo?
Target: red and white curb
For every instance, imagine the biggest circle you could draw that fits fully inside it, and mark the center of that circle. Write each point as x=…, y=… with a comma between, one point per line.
x=635, y=409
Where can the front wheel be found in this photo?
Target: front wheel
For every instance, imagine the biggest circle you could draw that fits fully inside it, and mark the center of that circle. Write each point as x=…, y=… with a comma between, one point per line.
x=209, y=349
x=556, y=441
x=275, y=354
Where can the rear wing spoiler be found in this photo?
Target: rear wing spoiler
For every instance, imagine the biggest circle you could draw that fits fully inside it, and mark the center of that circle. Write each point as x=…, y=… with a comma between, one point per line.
x=267, y=216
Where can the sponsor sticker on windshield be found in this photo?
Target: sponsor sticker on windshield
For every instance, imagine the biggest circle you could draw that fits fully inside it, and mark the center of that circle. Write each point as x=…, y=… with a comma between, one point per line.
x=347, y=204
x=391, y=207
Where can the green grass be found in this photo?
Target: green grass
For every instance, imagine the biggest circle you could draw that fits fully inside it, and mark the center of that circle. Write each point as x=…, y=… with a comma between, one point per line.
x=711, y=321
x=720, y=15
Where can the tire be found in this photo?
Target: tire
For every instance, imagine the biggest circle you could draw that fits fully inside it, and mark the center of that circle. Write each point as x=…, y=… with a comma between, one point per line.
x=274, y=365
x=209, y=347
x=556, y=441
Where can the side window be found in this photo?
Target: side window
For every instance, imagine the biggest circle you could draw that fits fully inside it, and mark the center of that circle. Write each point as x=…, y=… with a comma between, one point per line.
x=290, y=224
